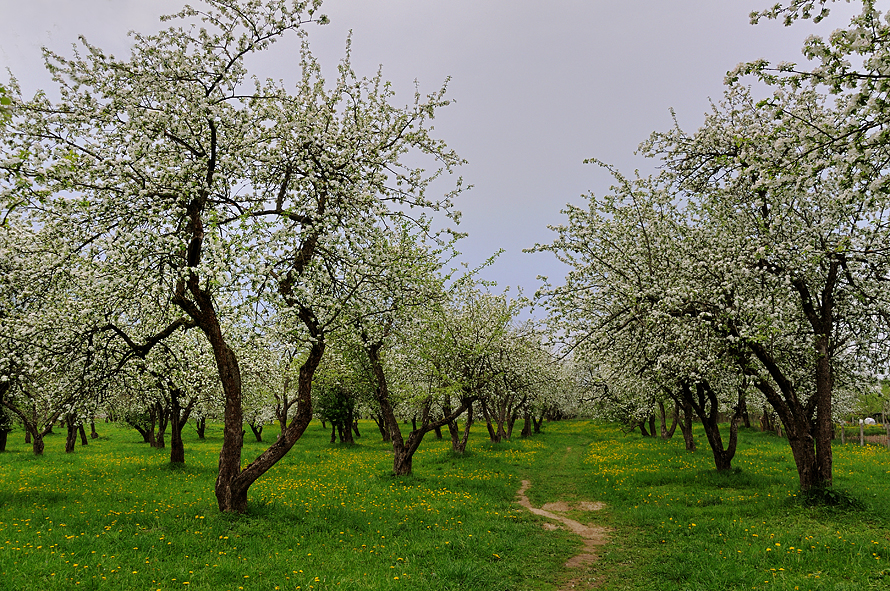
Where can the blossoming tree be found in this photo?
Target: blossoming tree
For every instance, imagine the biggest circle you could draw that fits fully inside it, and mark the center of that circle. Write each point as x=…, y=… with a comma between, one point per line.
x=236, y=195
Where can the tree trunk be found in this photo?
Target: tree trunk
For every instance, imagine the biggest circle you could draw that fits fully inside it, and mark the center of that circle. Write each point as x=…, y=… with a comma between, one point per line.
x=71, y=437
x=492, y=433
x=502, y=416
x=457, y=445
x=178, y=419
x=453, y=431
x=510, y=422
x=163, y=413
x=642, y=425
x=163, y=418
x=381, y=426
x=461, y=447
x=177, y=447
x=4, y=435
x=766, y=423
x=704, y=402
x=333, y=433
x=668, y=432
x=798, y=429
x=355, y=429
x=93, y=434
x=438, y=431
x=201, y=426
x=686, y=427
x=257, y=431
x=403, y=450
x=685, y=424
x=526, y=425
x=27, y=437
x=346, y=429
x=538, y=421
x=37, y=444
x=232, y=483
x=83, y=434
x=743, y=409
x=146, y=436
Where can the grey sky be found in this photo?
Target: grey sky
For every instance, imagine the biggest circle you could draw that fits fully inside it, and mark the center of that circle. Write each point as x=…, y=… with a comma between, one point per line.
x=540, y=86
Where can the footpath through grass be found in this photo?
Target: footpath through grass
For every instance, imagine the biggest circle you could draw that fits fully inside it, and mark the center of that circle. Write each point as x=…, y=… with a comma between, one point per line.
x=114, y=515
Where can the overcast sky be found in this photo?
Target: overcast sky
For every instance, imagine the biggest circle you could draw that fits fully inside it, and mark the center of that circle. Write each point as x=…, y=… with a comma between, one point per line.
x=539, y=86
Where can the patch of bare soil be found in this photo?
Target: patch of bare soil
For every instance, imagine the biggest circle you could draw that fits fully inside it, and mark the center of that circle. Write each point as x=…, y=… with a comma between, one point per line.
x=592, y=535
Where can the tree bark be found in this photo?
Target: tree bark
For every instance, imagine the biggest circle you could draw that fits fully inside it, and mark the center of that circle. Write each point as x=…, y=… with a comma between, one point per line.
x=178, y=419
x=232, y=485
x=83, y=434
x=33, y=434
x=668, y=432
x=704, y=402
x=686, y=425
x=538, y=421
x=492, y=432
x=201, y=426
x=381, y=426
x=403, y=450
x=346, y=428
x=743, y=410
x=461, y=446
x=799, y=421
x=71, y=436
x=526, y=425
x=458, y=443
x=257, y=431
x=37, y=444
x=163, y=419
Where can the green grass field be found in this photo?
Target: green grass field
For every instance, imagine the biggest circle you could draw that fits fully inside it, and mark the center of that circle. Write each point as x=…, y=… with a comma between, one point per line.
x=114, y=515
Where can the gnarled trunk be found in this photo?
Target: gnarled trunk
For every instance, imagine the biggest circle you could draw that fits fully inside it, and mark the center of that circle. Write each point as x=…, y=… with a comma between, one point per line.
x=704, y=402
x=71, y=435
x=667, y=432
x=493, y=435
x=527, y=425
x=257, y=430
x=403, y=450
x=37, y=444
x=686, y=426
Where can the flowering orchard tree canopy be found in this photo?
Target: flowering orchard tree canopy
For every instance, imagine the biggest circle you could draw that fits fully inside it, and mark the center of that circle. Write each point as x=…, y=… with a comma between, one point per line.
x=757, y=248
x=238, y=196
x=51, y=365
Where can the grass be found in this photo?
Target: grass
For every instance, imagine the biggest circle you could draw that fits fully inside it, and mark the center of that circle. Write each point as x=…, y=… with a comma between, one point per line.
x=115, y=515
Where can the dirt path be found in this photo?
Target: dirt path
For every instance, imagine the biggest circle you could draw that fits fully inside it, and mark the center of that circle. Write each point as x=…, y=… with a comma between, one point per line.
x=592, y=535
